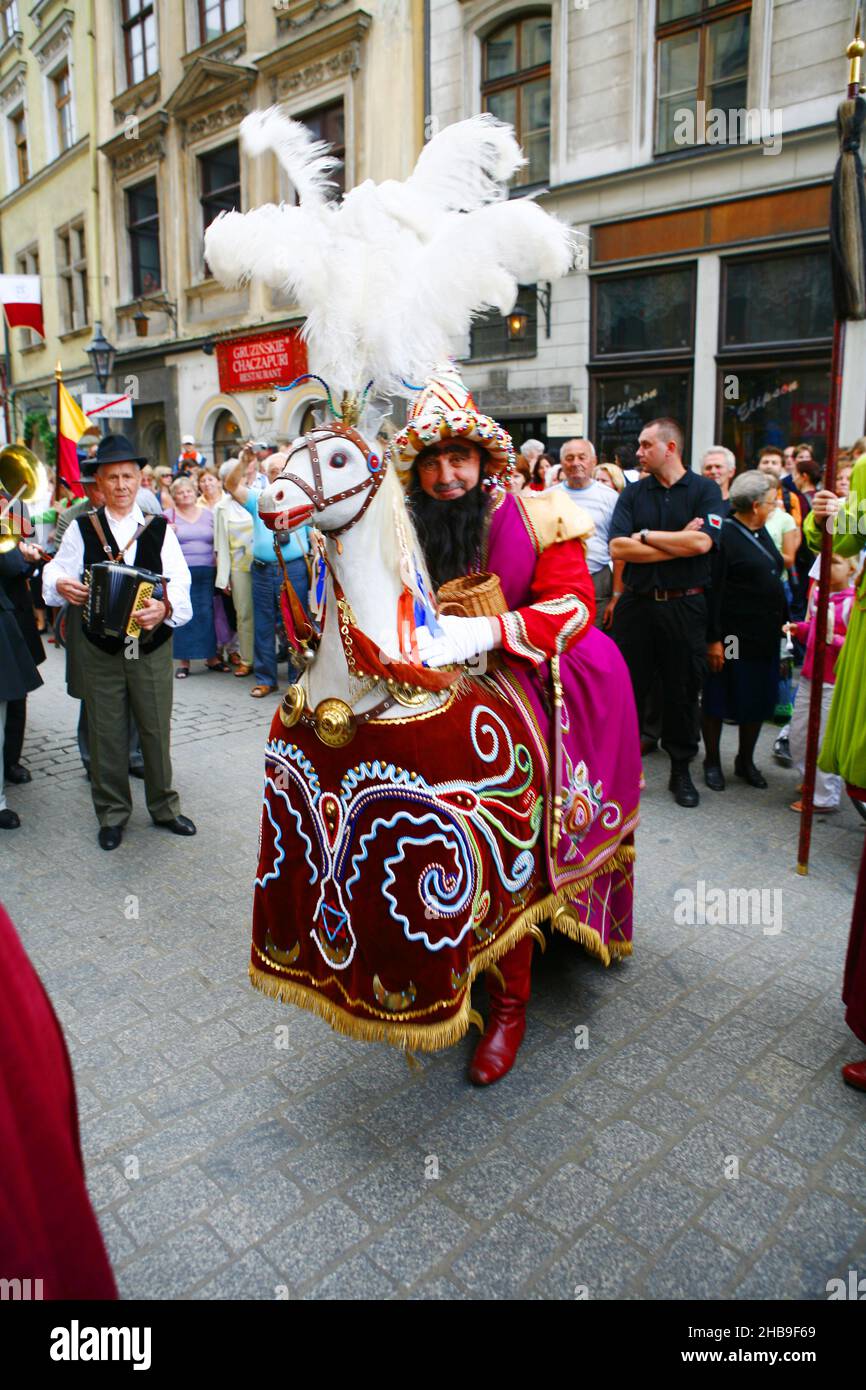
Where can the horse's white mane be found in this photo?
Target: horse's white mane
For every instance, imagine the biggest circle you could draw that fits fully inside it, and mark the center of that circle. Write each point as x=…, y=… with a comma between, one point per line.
x=390, y=274
x=391, y=515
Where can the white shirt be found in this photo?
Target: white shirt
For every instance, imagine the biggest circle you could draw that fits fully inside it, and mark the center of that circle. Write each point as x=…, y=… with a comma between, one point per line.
x=600, y=502
x=68, y=563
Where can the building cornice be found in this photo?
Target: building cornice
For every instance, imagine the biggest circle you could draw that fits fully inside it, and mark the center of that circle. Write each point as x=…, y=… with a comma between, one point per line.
x=206, y=83
x=127, y=154
x=54, y=39
x=308, y=60
x=13, y=83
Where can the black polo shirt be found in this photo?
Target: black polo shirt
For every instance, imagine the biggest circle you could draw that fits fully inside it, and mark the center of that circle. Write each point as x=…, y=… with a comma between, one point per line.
x=648, y=504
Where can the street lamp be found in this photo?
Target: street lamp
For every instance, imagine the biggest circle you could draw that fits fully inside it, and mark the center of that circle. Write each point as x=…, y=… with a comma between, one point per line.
x=142, y=322
x=101, y=354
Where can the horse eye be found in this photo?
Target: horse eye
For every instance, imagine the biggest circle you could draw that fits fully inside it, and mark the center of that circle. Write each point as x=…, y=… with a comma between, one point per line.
x=339, y=460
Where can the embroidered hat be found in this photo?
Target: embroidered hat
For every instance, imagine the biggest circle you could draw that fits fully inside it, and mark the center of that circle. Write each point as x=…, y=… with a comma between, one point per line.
x=445, y=410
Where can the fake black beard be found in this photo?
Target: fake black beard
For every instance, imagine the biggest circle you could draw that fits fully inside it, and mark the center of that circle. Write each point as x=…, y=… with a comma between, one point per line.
x=449, y=532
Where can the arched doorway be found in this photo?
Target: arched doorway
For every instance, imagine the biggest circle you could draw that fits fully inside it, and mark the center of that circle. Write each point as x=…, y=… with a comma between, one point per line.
x=226, y=437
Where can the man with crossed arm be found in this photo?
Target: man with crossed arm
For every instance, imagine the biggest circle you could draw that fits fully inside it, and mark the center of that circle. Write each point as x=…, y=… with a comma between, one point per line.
x=664, y=528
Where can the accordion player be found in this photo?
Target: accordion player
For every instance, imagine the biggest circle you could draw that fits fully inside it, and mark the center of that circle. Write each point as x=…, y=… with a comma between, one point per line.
x=116, y=594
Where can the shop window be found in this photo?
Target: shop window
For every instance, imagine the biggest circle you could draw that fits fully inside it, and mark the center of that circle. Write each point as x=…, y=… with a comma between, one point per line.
x=622, y=403
x=516, y=88
x=220, y=174
x=777, y=299
x=226, y=437
x=72, y=277
x=653, y=312
x=511, y=335
x=142, y=221
x=217, y=17
x=328, y=123
x=27, y=263
x=138, y=24
x=702, y=64
x=774, y=403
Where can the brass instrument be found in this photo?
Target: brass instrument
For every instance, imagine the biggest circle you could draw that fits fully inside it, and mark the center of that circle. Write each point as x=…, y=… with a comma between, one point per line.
x=22, y=478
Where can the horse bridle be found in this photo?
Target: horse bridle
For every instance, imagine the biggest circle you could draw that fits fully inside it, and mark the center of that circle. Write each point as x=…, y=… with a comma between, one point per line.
x=316, y=493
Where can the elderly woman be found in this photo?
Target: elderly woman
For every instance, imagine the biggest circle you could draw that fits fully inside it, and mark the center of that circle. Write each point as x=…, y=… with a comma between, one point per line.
x=210, y=489
x=745, y=614
x=233, y=537
x=194, y=526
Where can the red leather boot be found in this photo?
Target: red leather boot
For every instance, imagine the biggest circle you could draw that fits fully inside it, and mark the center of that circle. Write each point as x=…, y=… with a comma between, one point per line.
x=854, y=1074
x=495, y=1053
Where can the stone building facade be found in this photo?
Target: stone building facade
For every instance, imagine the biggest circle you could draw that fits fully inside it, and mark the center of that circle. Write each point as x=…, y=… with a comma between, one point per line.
x=692, y=144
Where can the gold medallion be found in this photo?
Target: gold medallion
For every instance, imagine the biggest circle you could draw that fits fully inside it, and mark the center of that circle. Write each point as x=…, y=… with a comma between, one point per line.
x=408, y=695
x=292, y=706
x=335, y=723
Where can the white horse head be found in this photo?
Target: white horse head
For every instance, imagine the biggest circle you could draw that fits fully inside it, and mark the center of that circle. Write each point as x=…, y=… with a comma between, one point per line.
x=327, y=479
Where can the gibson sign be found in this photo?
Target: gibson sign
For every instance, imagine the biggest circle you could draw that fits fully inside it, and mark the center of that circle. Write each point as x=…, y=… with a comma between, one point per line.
x=268, y=359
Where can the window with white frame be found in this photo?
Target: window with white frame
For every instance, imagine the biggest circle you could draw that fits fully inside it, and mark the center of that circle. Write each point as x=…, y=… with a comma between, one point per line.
x=72, y=276
x=9, y=21
x=60, y=85
x=217, y=17
x=27, y=263
x=515, y=87
x=19, y=152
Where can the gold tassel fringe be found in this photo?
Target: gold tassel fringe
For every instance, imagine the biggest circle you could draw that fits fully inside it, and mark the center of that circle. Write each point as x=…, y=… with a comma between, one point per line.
x=432, y=1037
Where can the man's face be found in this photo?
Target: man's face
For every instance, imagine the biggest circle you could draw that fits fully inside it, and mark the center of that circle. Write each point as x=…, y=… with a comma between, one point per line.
x=789, y=456
x=651, y=451
x=716, y=468
x=772, y=465
x=119, y=483
x=449, y=470
x=93, y=493
x=578, y=461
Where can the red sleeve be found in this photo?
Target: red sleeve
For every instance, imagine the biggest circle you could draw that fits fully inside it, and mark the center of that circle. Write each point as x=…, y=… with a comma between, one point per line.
x=562, y=608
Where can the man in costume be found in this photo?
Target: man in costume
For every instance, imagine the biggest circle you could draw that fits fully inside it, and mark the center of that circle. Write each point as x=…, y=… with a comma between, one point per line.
x=843, y=750
x=117, y=678
x=536, y=545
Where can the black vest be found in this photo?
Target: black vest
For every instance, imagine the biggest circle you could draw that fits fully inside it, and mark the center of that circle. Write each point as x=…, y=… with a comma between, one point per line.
x=148, y=556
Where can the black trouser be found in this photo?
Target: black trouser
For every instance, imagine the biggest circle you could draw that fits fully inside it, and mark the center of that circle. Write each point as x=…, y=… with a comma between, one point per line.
x=667, y=639
x=16, y=718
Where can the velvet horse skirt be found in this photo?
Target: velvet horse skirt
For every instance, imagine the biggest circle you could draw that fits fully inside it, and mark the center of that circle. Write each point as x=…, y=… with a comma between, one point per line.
x=394, y=870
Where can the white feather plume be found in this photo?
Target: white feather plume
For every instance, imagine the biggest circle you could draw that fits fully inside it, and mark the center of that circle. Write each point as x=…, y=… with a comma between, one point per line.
x=390, y=275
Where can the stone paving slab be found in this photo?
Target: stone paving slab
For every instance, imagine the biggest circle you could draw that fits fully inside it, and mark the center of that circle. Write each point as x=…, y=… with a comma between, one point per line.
x=701, y=1146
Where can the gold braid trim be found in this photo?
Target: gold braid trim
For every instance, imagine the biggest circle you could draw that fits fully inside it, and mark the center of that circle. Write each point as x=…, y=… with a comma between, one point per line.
x=431, y=1037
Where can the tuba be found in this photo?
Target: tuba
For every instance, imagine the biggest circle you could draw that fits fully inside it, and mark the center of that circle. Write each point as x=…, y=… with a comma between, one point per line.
x=22, y=477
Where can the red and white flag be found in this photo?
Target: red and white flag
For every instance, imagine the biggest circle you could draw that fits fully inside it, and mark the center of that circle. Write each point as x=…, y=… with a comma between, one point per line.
x=21, y=297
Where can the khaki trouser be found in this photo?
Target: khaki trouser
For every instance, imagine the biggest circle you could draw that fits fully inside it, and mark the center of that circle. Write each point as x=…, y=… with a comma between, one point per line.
x=602, y=583
x=112, y=686
x=242, y=598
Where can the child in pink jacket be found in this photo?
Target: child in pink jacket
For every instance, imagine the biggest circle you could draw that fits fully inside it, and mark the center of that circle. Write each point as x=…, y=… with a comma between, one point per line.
x=828, y=787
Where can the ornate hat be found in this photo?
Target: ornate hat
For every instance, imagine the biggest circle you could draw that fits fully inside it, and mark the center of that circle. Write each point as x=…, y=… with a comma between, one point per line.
x=445, y=410
x=116, y=448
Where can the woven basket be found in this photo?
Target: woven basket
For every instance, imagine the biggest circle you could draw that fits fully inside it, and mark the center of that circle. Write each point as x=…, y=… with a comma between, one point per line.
x=473, y=596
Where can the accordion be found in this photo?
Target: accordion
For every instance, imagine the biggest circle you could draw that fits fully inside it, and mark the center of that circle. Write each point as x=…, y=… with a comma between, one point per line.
x=117, y=593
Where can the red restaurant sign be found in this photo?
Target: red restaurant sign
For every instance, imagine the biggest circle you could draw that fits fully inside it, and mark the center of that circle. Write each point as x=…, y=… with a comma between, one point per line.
x=268, y=359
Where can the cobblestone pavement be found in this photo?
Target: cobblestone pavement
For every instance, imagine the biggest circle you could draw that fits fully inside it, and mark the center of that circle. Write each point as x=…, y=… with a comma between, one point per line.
x=239, y=1149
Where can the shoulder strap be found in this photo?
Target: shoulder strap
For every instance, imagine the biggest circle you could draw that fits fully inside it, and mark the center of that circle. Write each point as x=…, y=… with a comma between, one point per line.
x=100, y=532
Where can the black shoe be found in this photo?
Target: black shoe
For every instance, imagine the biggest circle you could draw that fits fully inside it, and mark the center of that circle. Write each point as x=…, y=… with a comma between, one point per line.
x=136, y=770
x=9, y=820
x=684, y=790
x=17, y=774
x=782, y=751
x=747, y=772
x=714, y=777
x=181, y=825
x=110, y=836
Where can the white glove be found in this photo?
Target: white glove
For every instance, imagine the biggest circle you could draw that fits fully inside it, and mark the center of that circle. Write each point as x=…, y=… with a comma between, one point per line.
x=461, y=639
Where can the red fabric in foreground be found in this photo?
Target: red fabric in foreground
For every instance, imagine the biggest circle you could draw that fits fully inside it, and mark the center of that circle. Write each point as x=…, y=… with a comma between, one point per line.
x=47, y=1227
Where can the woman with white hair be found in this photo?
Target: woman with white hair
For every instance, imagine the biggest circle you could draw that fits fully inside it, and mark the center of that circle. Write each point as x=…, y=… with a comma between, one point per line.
x=746, y=610
x=233, y=541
